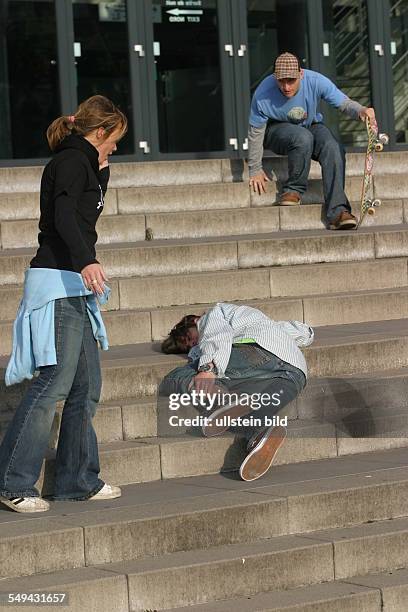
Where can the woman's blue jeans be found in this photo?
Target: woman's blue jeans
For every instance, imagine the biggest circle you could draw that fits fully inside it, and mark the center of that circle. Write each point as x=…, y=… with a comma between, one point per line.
x=251, y=370
x=76, y=379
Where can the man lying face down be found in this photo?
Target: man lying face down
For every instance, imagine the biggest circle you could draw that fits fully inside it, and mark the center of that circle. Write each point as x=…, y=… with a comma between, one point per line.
x=258, y=361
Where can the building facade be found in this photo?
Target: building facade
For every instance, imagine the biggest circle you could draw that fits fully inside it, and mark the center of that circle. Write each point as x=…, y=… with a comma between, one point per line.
x=183, y=70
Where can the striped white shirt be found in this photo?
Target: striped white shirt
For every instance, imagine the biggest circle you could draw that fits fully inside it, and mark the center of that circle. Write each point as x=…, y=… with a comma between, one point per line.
x=225, y=324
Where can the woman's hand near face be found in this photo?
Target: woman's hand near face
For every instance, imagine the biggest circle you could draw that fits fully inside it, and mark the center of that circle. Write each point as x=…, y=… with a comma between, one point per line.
x=94, y=277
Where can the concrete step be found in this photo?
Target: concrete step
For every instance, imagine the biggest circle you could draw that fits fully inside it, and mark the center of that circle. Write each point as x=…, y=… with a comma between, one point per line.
x=334, y=596
x=391, y=212
x=331, y=417
x=389, y=162
x=150, y=292
x=183, y=198
x=94, y=590
x=338, y=309
x=27, y=179
x=184, y=454
x=111, y=229
x=127, y=228
x=383, y=592
x=15, y=205
x=135, y=326
x=192, y=577
x=134, y=370
x=349, y=594
x=141, y=200
x=256, y=283
x=164, y=257
x=87, y=588
x=198, y=224
x=338, y=350
x=161, y=518
x=100, y=588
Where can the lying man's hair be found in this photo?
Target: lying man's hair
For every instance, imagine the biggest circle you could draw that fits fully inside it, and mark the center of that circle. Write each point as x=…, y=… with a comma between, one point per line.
x=175, y=341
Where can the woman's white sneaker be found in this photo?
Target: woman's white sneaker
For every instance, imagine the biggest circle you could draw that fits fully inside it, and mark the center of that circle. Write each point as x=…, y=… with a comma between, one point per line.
x=107, y=492
x=26, y=504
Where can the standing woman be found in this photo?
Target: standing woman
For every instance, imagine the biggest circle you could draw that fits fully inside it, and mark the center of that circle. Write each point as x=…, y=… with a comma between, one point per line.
x=59, y=322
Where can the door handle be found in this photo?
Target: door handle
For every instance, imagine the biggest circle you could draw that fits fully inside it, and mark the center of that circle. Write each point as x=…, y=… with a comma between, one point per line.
x=229, y=49
x=143, y=144
x=242, y=50
x=234, y=143
x=380, y=49
x=139, y=49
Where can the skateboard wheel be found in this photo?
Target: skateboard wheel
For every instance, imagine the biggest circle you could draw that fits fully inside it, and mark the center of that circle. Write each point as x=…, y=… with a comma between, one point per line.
x=384, y=138
x=371, y=211
x=379, y=146
x=376, y=202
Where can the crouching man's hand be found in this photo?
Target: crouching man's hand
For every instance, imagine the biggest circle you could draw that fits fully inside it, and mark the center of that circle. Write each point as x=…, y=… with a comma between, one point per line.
x=258, y=182
x=367, y=113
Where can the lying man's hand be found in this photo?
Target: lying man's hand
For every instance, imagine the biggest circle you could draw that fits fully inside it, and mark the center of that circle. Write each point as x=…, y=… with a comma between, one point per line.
x=258, y=182
x=205, y=381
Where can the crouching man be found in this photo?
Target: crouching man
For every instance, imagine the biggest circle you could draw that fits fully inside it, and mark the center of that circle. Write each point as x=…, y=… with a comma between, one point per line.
x=242, y=352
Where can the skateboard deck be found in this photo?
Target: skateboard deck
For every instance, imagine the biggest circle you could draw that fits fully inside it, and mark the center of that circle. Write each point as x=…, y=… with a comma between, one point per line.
x=375, y=144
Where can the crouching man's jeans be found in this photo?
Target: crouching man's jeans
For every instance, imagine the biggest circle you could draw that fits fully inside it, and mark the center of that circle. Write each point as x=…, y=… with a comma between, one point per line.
x=77, y=379
x=251, y=370
x=301, y=145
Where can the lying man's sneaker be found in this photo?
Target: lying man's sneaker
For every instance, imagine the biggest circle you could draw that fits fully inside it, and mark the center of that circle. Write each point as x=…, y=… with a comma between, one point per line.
x=262, y=449
x=107, y=492
x=289, y=198
x=344, y=221
x=217, y=421
x=26, y=504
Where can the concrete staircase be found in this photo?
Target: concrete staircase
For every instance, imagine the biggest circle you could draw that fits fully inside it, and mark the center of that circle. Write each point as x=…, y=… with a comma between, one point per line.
x=326, y=530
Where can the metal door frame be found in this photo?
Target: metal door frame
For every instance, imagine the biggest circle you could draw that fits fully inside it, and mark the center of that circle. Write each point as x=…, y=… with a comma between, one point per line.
x=379, y=33
x=388, y=87
x=148, y=87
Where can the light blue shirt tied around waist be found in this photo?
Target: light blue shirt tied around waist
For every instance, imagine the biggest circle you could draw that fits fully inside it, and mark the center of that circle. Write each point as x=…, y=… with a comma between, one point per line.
x=33, y=331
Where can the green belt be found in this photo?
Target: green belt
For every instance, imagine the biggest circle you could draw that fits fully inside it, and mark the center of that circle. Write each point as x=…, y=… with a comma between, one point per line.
x=245, y=341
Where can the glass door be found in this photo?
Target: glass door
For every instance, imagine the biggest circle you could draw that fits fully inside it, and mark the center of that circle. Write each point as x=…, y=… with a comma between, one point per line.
x=188, y=76
x=269, y=35
x=101, y=51
x=188, y=49
x=346, y=61
x=29, y=89
x=398, y=45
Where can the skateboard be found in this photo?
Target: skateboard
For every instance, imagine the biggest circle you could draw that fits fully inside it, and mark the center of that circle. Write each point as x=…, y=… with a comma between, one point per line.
x=376, y=144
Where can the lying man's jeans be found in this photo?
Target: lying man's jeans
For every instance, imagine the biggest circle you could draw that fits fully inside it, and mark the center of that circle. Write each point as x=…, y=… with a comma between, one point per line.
x=251, y=370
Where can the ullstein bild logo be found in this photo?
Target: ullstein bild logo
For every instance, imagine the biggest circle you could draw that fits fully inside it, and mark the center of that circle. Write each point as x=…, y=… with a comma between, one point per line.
x=227, y=421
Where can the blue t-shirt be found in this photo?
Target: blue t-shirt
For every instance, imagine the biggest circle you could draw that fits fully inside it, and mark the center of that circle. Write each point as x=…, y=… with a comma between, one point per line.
x=268, y=101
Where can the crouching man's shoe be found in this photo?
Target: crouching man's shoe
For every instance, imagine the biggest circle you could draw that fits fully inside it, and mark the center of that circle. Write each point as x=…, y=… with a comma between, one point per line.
x=262, y=449
x=289, y=198
x=107, y=492
x=344, y=221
